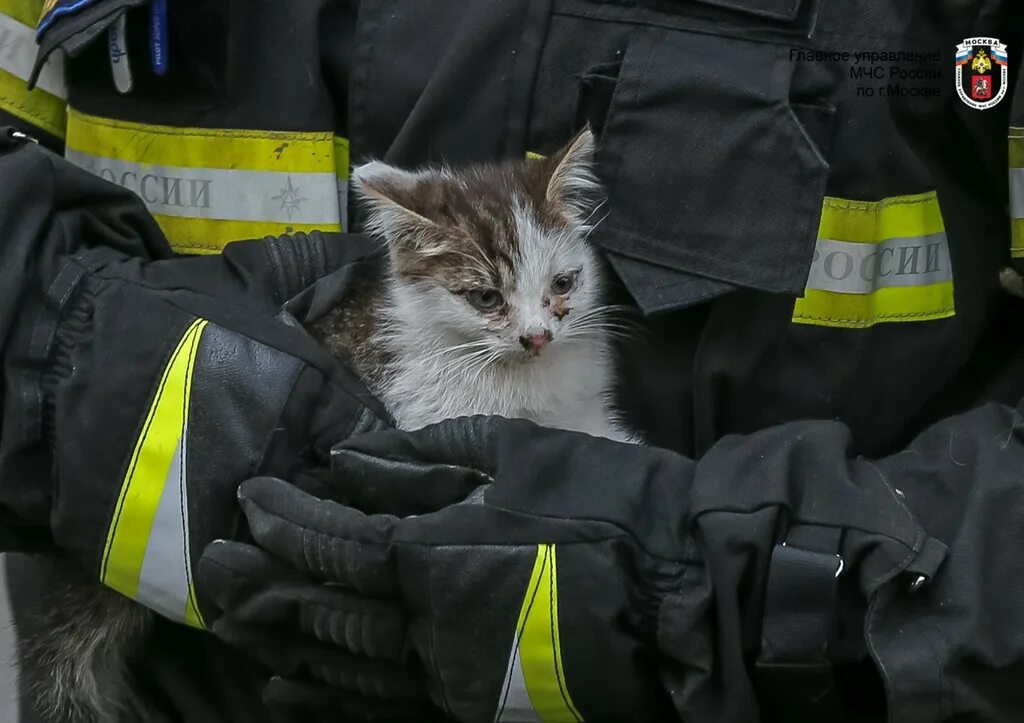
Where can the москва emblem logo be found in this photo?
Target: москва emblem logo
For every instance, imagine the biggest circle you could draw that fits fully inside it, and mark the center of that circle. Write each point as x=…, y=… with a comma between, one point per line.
x=981, y=72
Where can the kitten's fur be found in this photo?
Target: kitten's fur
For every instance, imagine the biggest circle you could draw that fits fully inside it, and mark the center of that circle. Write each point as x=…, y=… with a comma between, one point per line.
x=419, y=340
x=515, y=228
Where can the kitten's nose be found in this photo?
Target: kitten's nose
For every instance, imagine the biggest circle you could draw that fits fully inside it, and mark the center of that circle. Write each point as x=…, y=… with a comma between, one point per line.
x=535, y=341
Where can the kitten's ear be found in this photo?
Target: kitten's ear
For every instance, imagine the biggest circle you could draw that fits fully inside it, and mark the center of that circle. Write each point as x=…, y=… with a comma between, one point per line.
x=394, y=197
x=573, y=187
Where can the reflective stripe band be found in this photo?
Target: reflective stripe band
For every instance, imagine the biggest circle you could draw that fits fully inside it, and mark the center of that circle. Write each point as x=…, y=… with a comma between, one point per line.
x=1017, y=238
x=221, y=193
x=43, y=107
x=878, y=261
x=200, y=148
x=146, y=556
x=1016, y=146
x=534, y=688
x=211, y=186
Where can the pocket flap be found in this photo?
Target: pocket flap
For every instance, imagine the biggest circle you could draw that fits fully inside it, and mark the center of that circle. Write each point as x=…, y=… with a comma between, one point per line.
x=660, y=288
x=709, y=171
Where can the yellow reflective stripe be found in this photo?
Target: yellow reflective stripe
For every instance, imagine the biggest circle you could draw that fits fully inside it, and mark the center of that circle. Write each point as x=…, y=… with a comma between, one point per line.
x=1016, y=138
x=26, y=12
x=160, y=444
x=535, y=662
x=874, y=221
x=210, y=236
x=534, y=155
x=193, y=618
x=207, y=187
x=878, y=261
x=1017, y=238
x=159, y=145
x=855, y=311
x=36, y=107
x=43, y=107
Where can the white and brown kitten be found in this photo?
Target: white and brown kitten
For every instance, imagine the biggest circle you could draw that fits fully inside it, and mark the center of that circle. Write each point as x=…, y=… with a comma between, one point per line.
x=489, y=303
x=493, y=299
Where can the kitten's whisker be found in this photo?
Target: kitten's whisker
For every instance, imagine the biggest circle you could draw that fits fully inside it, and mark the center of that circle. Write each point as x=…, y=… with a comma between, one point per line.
x=478, y=344
x=585, y=224
x=460, y=362
x=486, y=363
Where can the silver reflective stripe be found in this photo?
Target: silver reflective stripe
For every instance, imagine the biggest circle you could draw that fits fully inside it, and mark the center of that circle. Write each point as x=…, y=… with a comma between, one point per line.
x=860, y=268
x=166, y=572
x=216, y=193
x=1017, y=192
x=18, y=55
x=515, y=705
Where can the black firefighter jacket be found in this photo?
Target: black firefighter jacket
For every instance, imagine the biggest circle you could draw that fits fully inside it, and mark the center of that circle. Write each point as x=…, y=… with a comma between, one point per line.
x=809, y=201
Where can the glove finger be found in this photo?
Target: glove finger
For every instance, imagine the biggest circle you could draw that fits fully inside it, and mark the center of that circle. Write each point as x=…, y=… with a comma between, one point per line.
x=231, y=572
x=321, y=537
x=288, y=654
x=303, y=701
x=413, y=473
x=233, y=576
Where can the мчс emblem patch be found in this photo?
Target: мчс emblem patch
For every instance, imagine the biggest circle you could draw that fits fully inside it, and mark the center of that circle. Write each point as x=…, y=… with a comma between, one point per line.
x=983, y=84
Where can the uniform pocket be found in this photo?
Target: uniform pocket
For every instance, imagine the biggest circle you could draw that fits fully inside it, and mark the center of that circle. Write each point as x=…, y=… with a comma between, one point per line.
x=710, y=172
x=194, y=48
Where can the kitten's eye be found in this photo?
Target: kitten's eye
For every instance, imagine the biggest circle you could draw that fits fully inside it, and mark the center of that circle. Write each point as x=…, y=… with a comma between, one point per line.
x=485, y=299
x=563, y=283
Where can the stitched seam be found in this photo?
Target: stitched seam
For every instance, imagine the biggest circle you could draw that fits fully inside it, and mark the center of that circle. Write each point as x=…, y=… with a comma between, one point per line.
x=208, y=132
x=879, y=317
x=875, y=206
x=183, y=476
x=218, y=247
x=552, y=614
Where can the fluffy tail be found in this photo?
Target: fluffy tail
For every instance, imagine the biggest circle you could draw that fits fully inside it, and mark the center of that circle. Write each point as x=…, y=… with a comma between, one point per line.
x=77, y=666
x=1012, y=282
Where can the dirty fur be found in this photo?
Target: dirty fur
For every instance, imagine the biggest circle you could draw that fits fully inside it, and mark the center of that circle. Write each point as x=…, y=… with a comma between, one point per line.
x=515, y=231
x=77, y=669
x=424, y=340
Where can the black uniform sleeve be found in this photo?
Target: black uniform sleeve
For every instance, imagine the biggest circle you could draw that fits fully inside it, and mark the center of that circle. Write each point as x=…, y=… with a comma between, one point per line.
x=58, y=221
x=48, y=211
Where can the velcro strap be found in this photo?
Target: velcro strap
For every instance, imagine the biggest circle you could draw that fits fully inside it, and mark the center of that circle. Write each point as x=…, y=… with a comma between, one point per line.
x=794, y=674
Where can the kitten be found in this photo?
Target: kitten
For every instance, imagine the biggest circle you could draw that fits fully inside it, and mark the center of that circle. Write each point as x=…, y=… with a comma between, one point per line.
x=489, y=302
x=492, y=301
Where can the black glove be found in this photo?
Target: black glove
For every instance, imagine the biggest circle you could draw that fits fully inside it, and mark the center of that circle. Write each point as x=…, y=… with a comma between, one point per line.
x=524, y=578
x=539, y=574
